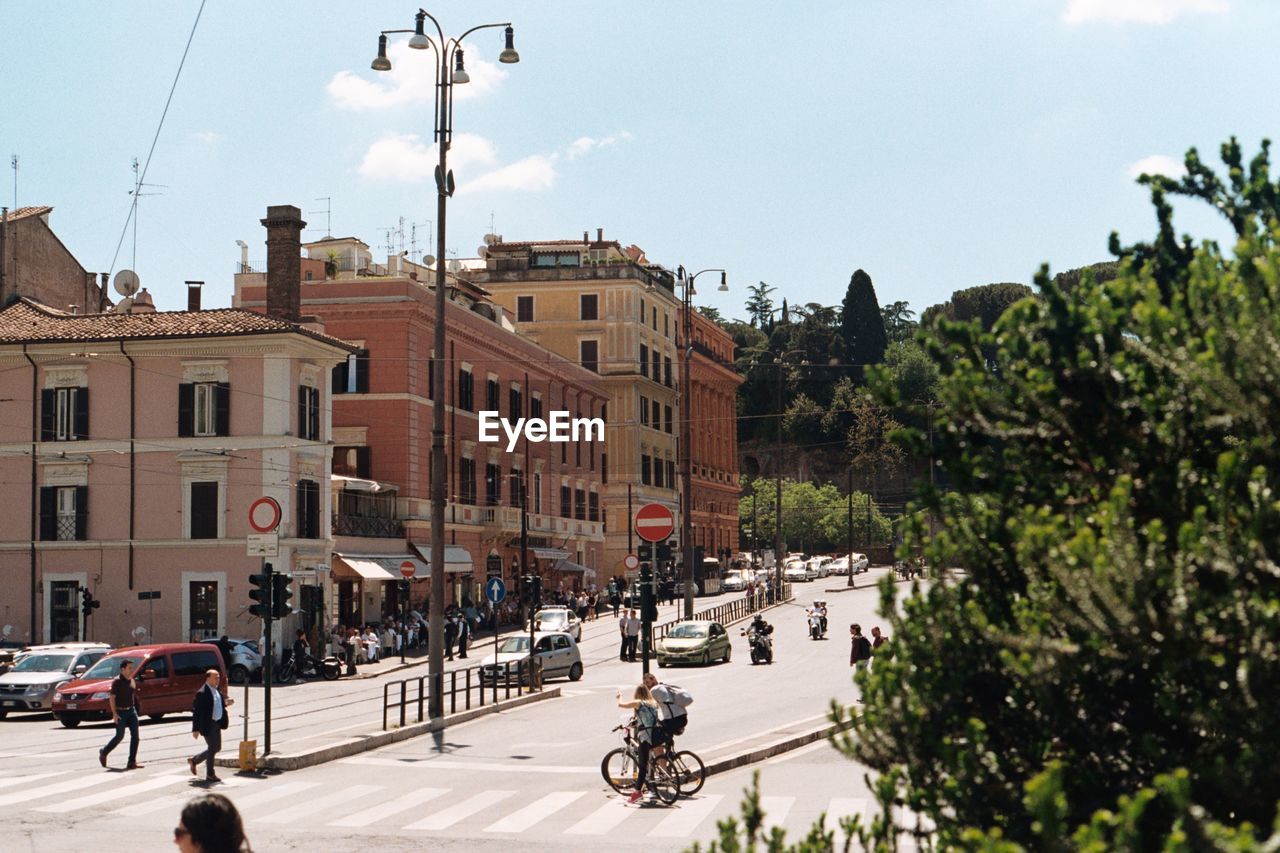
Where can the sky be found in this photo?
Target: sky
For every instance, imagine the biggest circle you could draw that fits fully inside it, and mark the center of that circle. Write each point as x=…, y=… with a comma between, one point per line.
x=937, y=146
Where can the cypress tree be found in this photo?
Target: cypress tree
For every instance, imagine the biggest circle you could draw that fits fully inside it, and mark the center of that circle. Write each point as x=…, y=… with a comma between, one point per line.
x=862, y=325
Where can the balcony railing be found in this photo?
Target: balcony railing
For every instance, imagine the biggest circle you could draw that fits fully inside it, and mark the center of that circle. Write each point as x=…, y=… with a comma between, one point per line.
x=358, y=525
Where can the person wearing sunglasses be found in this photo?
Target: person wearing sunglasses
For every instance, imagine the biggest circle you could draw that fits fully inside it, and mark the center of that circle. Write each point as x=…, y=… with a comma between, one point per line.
x=210, y=824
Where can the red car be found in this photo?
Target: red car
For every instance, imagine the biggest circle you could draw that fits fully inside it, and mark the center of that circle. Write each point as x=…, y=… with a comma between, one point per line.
x=168, y=676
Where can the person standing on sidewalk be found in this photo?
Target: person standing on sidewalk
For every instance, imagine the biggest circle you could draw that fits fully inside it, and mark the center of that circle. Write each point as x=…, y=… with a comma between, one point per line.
x=859, y=654
x=450, y=634
x=633, y=634
x=208, y=719
x=464, y=634
x=124, y=713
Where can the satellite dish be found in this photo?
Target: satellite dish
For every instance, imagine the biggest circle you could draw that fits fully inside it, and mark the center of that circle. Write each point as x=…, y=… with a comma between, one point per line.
x=490, y=239
x=482, y=252
x=140, y=632
x=123, y=306
x=454, y=266
x=428, y=260
x=127, y=283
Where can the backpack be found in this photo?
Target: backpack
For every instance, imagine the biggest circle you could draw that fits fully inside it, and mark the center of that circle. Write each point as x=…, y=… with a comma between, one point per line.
x=679, y=696
x=646, y=717
x=864, y=648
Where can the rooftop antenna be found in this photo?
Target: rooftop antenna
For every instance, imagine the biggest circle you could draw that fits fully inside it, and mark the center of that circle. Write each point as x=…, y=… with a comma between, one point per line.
x=328, y=215
x=413, y=237
x=13, y=161
x=137, y=193
x=492, y=229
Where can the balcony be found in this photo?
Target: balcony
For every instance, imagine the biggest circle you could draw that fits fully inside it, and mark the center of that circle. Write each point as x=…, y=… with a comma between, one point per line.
x=358, y=525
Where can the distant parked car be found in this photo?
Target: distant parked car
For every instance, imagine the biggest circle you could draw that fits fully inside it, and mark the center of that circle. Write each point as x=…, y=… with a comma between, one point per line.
x=246, y=660
x=796, y=572
x=733, y=582
x=860, y=563
x=30, y=685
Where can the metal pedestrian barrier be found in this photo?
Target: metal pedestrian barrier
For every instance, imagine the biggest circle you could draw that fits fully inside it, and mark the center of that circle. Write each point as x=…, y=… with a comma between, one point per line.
x=475, y=686
x=727, y=613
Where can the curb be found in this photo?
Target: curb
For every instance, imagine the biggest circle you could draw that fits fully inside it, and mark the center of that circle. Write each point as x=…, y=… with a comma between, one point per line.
x=365, y=743
x=752, y=756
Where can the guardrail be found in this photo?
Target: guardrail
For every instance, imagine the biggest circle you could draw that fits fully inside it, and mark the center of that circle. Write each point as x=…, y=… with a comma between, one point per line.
x=727, y=613
x=460, y=686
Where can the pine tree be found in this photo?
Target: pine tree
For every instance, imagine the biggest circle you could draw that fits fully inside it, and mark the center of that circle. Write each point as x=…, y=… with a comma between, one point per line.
x=862, y=325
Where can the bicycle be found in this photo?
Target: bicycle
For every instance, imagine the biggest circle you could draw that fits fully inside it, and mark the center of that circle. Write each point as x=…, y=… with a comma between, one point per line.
x=681, y=771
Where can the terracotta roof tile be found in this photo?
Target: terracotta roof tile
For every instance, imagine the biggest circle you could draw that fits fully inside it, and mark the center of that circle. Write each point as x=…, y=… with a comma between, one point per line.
x=24, y=212
x=25, y=321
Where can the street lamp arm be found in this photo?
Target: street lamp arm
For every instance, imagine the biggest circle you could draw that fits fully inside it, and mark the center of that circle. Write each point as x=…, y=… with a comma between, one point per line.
x=460, y=39
x=700, y=272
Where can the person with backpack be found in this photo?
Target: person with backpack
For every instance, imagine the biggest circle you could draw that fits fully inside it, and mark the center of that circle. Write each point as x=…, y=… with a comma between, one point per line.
x=859, y=653
x=673, y=703
x=649, y=734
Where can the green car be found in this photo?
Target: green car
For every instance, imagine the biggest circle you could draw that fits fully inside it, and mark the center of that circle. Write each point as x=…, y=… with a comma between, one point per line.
x=694, y=642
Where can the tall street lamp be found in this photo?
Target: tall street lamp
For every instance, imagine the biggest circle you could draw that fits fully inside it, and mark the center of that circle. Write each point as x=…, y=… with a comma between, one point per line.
x=686, y=431
x=778, y=362
x=449, y=70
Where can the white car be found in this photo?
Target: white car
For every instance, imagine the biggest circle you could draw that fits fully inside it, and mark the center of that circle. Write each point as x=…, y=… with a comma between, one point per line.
x=30, y=685
x=555, y=649
x=817, y=566
x=839, y=566
x=796, y=572
x=559, y=619
x=733, y=582
x=860, y=563
x=246, y=660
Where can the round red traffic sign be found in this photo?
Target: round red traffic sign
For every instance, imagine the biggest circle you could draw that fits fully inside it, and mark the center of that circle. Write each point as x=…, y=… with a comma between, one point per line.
x=631, y=561
x=264, y=515
x=654, y=522
x=408, y=569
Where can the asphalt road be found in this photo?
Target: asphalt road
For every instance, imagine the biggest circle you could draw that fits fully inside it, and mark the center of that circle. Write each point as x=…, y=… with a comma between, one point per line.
x=531, y=773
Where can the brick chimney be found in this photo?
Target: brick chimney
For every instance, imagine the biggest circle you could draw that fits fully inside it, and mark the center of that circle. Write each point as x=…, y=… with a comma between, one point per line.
x=193, y=295
x=284, y=262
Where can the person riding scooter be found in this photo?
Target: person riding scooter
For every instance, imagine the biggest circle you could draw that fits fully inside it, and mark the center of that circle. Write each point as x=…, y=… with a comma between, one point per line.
x=757, y=634
x=819, y=609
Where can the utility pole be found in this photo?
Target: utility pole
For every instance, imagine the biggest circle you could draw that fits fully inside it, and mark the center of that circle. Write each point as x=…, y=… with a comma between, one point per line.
x=849, y=528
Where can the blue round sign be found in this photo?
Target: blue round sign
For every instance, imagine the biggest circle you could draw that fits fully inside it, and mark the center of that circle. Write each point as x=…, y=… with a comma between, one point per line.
x=495, y=590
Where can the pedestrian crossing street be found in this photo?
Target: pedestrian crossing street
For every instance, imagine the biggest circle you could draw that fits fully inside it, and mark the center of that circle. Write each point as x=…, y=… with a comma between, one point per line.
x=290, y=803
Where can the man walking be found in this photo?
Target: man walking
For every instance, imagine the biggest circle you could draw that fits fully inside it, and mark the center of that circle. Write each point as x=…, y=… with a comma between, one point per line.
x=450, y=634
x=464, y=634
x=633, y=634
x=859, y=654
x=209, y=718
x=622, y=634
x=124, y=713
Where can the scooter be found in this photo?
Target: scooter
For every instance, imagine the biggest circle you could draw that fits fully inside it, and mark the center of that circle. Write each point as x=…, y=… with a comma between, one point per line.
x=761, y=646
x=817, y=630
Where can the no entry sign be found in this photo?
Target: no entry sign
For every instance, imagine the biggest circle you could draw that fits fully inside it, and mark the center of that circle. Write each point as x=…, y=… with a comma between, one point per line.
x=654, y=522
x=407, y=568
x=264, y=515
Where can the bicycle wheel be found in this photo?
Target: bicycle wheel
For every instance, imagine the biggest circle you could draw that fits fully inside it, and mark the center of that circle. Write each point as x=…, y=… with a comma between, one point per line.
x=619, y=769
x=690, y=772
x=663, y=783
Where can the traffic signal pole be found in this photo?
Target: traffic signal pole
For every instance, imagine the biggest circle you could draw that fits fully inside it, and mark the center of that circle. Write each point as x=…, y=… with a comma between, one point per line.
x=263, y=585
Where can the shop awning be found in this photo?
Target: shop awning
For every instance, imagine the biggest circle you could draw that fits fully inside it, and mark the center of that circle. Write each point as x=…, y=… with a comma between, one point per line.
x=574, y=568
x=355, y=484
x=550, y=553
x=457, y=560
x=372, y=567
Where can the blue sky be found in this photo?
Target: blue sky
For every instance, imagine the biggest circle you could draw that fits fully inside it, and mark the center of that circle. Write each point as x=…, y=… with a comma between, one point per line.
x=938, y=146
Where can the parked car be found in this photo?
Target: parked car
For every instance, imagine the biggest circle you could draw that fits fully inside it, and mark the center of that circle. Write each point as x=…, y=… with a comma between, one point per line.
x=558, y=619
x=817, y=567
x=859, y=563
x=246, y=660
x=733, y=582
x=167, y=674
x=695, y=642
x=555, y=649
x=30, y=685
x=839, y=566
x=796, y=572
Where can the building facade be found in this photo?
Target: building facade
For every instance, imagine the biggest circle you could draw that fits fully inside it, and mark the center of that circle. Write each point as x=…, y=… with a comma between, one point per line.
x=713, y=408
x=144, y=438
x=35, y=264
x=383, y=400
x=606, y=308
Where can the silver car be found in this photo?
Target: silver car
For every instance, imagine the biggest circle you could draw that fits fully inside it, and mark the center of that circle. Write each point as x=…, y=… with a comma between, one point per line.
x=556, y=650
x=30, y=685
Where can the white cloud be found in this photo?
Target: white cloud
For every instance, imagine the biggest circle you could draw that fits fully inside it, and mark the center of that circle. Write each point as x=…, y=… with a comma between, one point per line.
x=207, y=137
x=407, y=157
x=1138, y=11
x=531, y=174
x=1157, y=164
x=411, y=81
x=585, y=144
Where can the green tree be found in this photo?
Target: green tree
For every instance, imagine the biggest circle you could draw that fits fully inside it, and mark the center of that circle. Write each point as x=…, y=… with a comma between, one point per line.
x=898, y=322
x=759, y=305
x=712, y=314
x=913, y=374
x=861, y=325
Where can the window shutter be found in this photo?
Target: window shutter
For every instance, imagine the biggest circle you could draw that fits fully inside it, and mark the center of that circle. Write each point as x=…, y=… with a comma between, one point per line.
x=362, y=372
x=302, y=412
x=313, y=413
x=81, y=425
x=339, y=385
x=222, y=406
x=48, y=513
x=46, y=414
x=203, y=523
x=186, y=409
x=362, y=462
x=82, y=512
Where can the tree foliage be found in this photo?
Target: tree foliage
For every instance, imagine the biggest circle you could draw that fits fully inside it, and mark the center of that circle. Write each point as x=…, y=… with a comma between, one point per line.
x=815, y=518
x=898, y=323
x=760, y=305
x=861, y=325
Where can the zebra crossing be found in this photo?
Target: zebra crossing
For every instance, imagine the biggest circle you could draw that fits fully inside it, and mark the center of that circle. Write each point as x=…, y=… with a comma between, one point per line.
x=288, y=803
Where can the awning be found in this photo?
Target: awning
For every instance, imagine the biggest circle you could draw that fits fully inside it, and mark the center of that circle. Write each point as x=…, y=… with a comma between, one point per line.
x=575, y=568
x=373, y=567
x=355, y=484
x=550, y=553
x=457, y=560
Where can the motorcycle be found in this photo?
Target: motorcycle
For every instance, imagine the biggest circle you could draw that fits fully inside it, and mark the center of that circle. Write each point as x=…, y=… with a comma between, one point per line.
x=761, y=646
x=330, y=668
x=817, y=630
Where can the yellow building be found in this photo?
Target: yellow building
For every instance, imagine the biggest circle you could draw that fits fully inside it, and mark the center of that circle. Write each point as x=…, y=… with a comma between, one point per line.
x=607, y=308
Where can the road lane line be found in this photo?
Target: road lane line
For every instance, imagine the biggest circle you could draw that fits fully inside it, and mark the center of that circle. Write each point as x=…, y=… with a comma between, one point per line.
x=349, y=794
x=526, y=817
x=273, y=793
x=114, y=794
x=773, y=731
x=177, y=801
x=775, y=810
x=22, y=780
x=685, y=819
x=603, y=819
x=384, y=810
x=465, y=809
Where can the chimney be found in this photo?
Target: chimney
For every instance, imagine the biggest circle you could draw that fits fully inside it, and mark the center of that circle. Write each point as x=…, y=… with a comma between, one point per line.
x=142, y=303
x=599, y=235
x=284, y=262
x=586, y=237
x=103, y=299
x=193, y=295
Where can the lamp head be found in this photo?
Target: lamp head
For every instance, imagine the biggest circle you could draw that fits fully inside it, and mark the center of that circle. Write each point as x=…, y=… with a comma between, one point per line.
x=460, y=74
x=724, y=285
x=419, y=40
x=509, y=55
x=380, y=62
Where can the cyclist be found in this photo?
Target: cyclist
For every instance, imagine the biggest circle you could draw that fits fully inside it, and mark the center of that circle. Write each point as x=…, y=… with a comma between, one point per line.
x=649, y=734
x=673, y=715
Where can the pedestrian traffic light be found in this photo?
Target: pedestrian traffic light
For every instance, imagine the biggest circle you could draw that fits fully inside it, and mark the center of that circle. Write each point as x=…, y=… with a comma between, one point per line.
x=87, y=602
x=281, y=592
x=261, y=593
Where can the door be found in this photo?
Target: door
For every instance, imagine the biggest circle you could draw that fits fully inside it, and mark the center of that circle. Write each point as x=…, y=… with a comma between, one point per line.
x=547, y=656
x=155, y=686
x=346, y=603
x=203, y=614
x=64, y=612
x=563, y=653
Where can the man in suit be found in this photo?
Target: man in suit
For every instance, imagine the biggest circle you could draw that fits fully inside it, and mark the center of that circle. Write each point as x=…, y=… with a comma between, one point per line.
x=209, y=718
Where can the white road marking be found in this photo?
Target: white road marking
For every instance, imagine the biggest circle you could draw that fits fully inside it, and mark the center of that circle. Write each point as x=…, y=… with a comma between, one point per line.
x=349, y=794
x=84, y=781
x=177, y=801
x=113, y=794
x=775, y=810
x=603, y=819
x=841, y=807
x=526, y=817
x=465, y=809
x=445, y=764
x=22, y=780
x=684, y=819
x=275, y=792
x=384, y=810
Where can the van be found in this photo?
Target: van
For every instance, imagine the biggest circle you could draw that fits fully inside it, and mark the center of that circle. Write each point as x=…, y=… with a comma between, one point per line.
x=167, y=674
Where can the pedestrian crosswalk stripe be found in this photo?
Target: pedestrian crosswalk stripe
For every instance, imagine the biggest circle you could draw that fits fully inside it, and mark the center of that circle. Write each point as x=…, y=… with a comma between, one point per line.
x=526, y=817
x=35, y=777
x=86, y=781
x=775, y=810
x=686, y=816
x=602, y=819
x=349, y=794
x=385, y=810
x=842, y=807
x=275, y=792
x=176, y=801
x=114, y=793
x=465, y=809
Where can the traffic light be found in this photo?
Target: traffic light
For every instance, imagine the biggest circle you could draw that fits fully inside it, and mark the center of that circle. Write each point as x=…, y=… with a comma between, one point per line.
x=87, y=602
x=533, y=589
x=648, y=601
x=281, y=592
x=261, y=593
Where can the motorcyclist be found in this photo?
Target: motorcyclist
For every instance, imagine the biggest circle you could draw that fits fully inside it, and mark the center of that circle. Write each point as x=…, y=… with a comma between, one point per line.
x=820, y=609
